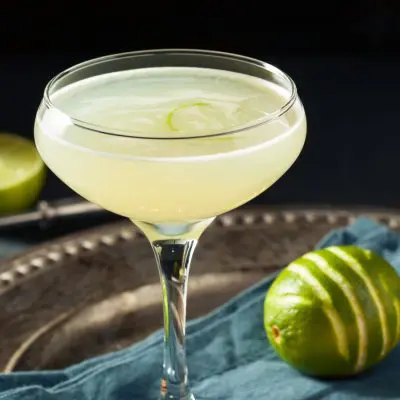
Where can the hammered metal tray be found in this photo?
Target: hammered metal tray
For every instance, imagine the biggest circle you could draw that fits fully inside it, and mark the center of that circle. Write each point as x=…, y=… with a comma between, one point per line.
x=98, y=291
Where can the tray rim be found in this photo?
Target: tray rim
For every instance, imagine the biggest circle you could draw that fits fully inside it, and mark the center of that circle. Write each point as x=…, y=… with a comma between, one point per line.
x=299, y=210
x=48, y=254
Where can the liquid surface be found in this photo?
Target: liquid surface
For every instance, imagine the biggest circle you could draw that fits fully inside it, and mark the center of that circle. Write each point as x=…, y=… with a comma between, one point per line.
x=170, y=102
x=170, y=181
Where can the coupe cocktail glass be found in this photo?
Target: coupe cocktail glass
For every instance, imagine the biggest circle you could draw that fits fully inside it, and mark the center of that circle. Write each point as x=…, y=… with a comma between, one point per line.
x=170, y=139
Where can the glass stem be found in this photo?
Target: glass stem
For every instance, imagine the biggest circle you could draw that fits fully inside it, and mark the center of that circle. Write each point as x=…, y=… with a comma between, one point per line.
x=173, y=260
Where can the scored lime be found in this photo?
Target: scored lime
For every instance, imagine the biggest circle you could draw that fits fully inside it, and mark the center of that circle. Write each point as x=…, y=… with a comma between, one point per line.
x=334, y=312
x=22, y=173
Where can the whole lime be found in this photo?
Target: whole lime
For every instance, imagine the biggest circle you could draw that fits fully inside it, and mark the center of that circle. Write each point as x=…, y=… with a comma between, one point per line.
x=334, y=312
x=22, y=173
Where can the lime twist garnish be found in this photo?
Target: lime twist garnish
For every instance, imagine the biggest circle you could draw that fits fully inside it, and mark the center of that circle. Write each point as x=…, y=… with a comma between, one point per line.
x=22, y=173
x=171, y=115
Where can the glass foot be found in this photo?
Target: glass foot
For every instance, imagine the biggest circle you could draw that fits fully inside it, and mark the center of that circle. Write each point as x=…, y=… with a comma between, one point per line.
x=168, y=397
x=175, y=392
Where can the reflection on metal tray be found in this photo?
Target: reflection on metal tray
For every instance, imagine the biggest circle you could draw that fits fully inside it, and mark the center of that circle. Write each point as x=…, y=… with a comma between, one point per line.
x=98, y=291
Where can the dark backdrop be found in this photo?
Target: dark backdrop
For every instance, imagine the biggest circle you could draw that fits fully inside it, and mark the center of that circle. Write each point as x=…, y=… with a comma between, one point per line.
x=344, y=57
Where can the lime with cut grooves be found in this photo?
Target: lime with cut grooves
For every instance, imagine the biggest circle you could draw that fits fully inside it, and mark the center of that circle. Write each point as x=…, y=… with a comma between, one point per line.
x=334, y=312
x=22, y=173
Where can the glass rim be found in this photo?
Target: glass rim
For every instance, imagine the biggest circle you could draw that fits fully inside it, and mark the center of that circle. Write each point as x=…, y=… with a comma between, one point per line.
x=127, y=134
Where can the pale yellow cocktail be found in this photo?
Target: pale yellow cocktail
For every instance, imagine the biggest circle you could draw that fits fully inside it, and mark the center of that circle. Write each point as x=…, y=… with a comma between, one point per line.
x=179, y=180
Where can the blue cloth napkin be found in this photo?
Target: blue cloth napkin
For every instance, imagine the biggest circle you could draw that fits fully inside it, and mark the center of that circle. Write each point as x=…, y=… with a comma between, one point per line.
x=228, y=354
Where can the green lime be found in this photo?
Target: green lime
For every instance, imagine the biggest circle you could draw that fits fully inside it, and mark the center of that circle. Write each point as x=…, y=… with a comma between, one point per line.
x=22, y=173
x=334, y=312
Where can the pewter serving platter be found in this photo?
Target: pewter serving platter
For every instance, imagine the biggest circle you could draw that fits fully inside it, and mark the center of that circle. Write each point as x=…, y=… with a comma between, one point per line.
x=98, y=291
